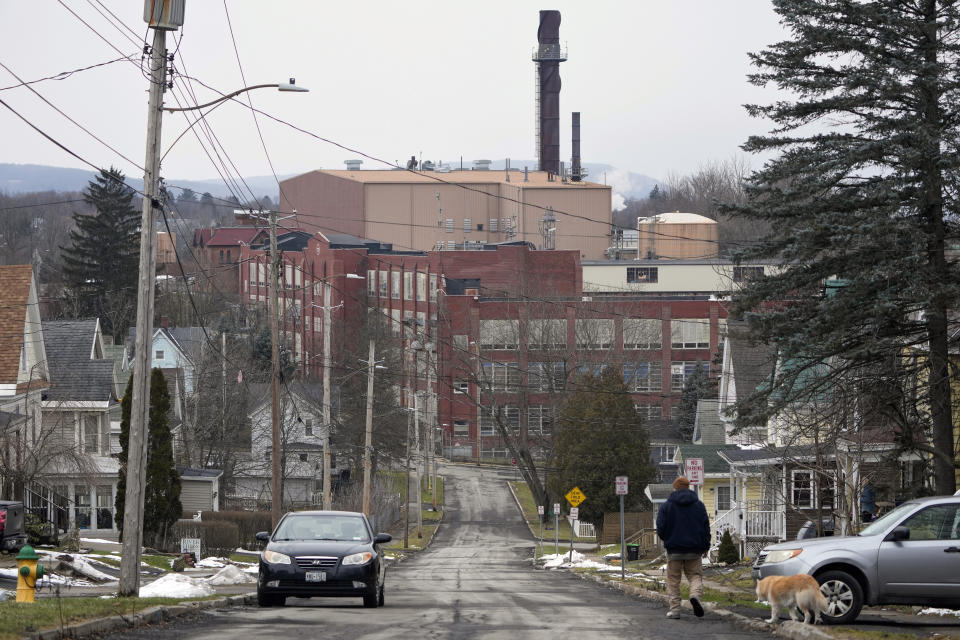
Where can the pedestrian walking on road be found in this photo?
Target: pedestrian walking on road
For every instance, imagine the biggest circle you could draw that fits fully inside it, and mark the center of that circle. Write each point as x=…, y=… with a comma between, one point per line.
x=684, y=528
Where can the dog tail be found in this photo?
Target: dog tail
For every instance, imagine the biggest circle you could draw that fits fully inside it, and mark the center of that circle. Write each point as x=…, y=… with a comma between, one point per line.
x=821, y=601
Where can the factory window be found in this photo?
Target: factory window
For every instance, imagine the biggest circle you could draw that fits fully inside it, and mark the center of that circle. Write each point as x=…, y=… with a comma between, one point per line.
x=649, y=411
x=547, y=334
x=461, y=428
x=642, y=333
x=451, y=245
x=690, y=333
x=371, y=282
x=479, y=226
x=448, y=225
x=494, y=226
x=642, y=376
x=383, y=283
x=421, y=287
x=594, y=334
x=467, y=225
x=499, y=334
x=641, y=275
x=407, y=285
x=680, y=371
x=395, y=285
x=742, y=274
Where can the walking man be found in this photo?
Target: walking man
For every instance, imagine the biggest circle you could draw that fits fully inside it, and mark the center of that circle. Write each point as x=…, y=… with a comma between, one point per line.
x=684, y=528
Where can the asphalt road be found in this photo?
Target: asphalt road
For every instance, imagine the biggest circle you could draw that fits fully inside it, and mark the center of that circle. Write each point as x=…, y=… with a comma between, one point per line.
x=474, y=582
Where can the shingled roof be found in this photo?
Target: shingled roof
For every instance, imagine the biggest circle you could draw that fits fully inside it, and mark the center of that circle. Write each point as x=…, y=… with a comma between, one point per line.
x=712, y=462
x=15, y=284
x=74, y=373
x=753, y=364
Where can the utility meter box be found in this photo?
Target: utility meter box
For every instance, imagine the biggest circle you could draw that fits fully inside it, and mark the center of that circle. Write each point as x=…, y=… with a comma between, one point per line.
x=163, y=14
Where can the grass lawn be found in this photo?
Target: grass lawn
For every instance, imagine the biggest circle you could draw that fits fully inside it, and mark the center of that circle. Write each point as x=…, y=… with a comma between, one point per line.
x=157, y=561
x=16, y=619
x=426, y=496
x=522, y=491
x=244, y=557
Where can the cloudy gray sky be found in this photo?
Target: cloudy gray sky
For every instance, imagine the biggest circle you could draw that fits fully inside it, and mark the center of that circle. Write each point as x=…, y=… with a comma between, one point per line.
x=660, y=84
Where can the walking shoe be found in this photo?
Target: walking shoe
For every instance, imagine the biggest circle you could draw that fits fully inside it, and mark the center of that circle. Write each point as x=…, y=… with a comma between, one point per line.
x=673, y=613
x=697, y=607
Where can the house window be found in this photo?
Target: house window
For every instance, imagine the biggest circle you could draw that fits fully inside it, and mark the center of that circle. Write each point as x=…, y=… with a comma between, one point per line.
x=461, y=428
x=308, y=426
x=499, y=334
x=594, y=334
x=663, y=454
x=690, y=333
x=643, y=376
x=642, y=333
x=641, y=275
x=743, y=274
x=105, y=504
x=448, y=225
x=228, y=257
x=547, y=376
x=461, y=386
x=540, y=420
x=91, y=434
x=81, y=495
x=501, y=376
x=467, y=225
x=801, y=493
x=303, y=457
x=547, y=334
x=827, y=490
x=221, y=256
x=723, y=499
x=158, y=355
x=648, y=411
x=680, y=371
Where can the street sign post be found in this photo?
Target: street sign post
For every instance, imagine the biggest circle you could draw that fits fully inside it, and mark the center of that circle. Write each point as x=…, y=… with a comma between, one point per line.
x=693, y=467
x=575, y=497
x=621, y=485
x=556, y=528
x=540, y=511
x=575, y=513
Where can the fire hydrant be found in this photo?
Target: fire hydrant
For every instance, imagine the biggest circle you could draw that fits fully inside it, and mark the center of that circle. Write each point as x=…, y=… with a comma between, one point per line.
x=28, y=572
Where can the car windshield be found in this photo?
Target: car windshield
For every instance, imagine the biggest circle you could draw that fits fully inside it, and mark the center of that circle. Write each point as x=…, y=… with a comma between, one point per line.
x=882, y=523
x=322, y=527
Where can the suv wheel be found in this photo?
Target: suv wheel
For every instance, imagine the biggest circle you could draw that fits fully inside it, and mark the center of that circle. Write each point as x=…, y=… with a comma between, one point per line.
x=844, y=596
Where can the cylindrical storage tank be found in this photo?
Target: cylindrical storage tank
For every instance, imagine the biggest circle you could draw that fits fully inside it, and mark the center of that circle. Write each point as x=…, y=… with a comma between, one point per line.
x=671, y=236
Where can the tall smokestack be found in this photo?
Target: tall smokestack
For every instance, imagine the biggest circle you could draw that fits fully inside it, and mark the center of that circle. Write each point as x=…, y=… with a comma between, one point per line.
x=575, y=172
x=548, y=57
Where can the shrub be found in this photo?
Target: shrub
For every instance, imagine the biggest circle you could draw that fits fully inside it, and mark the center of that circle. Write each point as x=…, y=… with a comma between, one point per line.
x=216, y=538
x=727, y=552
x=248, y=523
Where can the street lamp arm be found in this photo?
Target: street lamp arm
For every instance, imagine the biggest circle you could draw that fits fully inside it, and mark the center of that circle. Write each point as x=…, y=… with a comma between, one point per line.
x=282, y=86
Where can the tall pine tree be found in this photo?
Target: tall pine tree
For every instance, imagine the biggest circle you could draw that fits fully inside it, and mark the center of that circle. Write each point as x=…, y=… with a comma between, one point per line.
x=699, y=385
x=101, y=264
x=161, y=504
x=860, y=192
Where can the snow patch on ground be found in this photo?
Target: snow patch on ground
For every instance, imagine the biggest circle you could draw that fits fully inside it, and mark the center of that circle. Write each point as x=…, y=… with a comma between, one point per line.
x=49, y=578
x=213, y=563
x=174, y=585
x=99, y=541
x=230, y=575
x=247, y=551
x=939, y=612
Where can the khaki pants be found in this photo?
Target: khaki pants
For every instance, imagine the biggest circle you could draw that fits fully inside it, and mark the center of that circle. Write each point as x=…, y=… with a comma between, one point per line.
x=694, y=572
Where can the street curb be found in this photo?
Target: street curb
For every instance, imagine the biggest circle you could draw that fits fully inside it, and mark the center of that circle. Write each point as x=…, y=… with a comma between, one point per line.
x=523, y=516
x=151, y=615
x=789, y=629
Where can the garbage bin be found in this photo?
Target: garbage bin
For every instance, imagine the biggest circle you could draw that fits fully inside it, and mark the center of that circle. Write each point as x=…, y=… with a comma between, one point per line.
x=633, y=552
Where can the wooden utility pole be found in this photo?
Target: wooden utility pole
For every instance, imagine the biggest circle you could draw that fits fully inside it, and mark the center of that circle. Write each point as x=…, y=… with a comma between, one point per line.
x=140, y=402
x=368, y=437
x=276, y=489
x=327, y=454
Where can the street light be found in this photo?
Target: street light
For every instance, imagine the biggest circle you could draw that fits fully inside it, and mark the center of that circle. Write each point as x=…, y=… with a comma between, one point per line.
x=281, y=86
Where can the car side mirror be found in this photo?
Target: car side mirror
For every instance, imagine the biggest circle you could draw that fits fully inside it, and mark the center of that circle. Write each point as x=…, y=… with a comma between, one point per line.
x=899, y=534
x=263, y=536
x=382, y=538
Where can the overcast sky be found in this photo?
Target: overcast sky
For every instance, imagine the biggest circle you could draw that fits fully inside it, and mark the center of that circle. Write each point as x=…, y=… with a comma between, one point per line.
x=660, y=84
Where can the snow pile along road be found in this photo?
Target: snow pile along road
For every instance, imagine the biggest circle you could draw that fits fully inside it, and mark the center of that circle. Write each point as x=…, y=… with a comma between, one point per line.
x=175, y=585
x=230, y=575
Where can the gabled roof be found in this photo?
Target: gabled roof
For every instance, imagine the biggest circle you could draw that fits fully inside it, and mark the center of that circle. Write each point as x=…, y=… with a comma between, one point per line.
x=232, y=236
x=753, y=364
x=75, y=375
x=189, y=340
x=708, y=427
x=712, y=462
x=15, y=283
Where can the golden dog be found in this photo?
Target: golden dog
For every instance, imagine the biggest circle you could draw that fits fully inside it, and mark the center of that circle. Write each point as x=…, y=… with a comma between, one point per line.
x=792, y=592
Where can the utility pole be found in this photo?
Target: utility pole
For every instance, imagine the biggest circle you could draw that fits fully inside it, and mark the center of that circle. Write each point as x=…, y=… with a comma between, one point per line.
x=327, y=454
x=368, y=437
x=276, y=489
x=140, y=401
x=417, y=454
x=432, y=422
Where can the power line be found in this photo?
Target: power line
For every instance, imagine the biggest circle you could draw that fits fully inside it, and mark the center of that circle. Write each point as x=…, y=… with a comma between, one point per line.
x=63, y=75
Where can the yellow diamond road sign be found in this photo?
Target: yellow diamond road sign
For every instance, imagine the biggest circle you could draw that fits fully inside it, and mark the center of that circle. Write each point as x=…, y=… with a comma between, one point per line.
x=575, y=496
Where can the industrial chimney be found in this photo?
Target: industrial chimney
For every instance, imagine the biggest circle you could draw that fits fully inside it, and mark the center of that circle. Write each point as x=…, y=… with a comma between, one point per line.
x=547, y=57
x=576, y=172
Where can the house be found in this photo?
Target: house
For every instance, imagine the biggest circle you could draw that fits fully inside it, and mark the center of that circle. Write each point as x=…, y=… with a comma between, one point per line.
x=77, y=487
x=664, y=439
x=172, y=348
x=23, y=377
x=302, y=438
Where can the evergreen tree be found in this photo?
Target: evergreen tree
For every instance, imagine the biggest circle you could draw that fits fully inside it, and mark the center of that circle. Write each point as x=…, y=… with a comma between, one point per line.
x=187, y=195
x=599, y=437
x=699, y=385
x=858, y=191
x=101, y=264
x=162, y=505
x=727, y=551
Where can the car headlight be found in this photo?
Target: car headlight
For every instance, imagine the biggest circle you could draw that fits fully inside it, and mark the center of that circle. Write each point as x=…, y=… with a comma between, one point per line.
x=276, y=558
x=358, y=558
x=781, y=555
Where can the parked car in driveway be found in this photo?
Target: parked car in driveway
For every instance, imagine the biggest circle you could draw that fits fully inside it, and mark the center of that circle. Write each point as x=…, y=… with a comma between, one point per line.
x=320, y=554
x=12, y=534
x=910, y=555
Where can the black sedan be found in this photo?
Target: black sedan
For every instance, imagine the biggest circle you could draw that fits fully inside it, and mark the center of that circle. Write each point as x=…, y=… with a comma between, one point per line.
x=322, y=554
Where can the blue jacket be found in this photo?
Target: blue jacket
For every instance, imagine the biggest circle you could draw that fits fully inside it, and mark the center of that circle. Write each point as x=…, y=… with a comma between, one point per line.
x=682, y=523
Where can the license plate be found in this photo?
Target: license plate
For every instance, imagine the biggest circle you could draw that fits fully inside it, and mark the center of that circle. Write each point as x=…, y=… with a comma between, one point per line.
x=316, y=576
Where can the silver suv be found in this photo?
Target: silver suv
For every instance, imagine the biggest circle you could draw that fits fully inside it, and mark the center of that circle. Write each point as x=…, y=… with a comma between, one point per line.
x=910, y=555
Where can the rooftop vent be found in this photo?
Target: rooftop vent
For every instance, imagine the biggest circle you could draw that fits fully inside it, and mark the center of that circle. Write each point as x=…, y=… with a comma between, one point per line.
x=353, y=165
x=481, y=165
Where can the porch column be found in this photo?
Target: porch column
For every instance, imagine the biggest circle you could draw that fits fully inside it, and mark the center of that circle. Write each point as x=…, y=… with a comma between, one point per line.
x=71, y=507
x=93, y=507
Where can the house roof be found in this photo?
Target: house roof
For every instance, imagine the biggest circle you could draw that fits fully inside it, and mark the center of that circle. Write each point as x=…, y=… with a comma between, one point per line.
x=232, y=236
x=74, y=374
x=753, y=364
x=708, y=427
x=658, y=492
x=188, y=339
x=69, y=340
x=15, y=283
x=712, y=462
x=201, y=236
x=187, y=472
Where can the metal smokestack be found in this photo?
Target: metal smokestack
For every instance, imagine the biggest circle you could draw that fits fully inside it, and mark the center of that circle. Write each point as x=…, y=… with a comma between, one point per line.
x=548, y=57
x=575, y=171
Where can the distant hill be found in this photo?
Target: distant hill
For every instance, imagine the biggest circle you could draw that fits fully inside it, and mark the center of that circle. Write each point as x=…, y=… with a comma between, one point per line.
x=27, y=178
